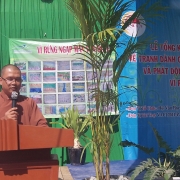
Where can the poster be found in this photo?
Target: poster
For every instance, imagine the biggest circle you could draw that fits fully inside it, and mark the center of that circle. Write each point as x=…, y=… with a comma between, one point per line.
x=151, y=93
x=55, y=76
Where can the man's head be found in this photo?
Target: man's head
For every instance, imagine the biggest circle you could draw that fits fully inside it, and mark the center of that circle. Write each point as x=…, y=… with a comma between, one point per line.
x=10, y=79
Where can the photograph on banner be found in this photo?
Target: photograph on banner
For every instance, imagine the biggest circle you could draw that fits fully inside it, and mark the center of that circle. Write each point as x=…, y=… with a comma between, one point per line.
x=107, y=74
x=77, y=64
x=63, y=65
x=108, y=64
x=90, y=97
x=104, y=86
x=35, y=88
x=91, y=108
x=23, y=76
x=78, y=76
x=81, y=108
x=88, y=66
x=63, y=108
x=63, y=76
x=34, y=65
x=64, y=87
x=23, y=88
x=49, y=109
x=49, y=65
x=78, y=87
x=64, y=98
x=49, y=98
x=34, y=76
x=37, y=98
x=20, y=65
x=78, y=98
x=49, y=76
x=110, y=108
x=49, y=88
x=91, y=85
x=90, y=75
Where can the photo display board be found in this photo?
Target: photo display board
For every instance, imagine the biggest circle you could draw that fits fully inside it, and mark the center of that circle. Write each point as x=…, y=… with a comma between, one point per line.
x=55, y=75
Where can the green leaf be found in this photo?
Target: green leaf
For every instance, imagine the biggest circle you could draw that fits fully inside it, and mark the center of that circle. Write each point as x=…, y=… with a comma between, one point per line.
x=127, y=143
x=160, y=140
x=141, y=168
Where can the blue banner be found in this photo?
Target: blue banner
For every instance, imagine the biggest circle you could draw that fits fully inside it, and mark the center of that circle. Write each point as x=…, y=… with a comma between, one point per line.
x=151, y=93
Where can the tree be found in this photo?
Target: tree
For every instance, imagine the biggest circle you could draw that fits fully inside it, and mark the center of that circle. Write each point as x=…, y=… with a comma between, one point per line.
x=101, y=28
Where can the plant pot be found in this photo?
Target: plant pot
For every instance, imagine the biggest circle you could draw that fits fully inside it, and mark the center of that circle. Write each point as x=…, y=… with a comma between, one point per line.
x=75, y=156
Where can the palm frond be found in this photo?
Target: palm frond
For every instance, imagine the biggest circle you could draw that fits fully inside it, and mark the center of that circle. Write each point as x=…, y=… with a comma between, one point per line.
x=154, y=173
x=177, y=152
x=169, y=173
x=161, y=142
x=127, y=143
x=142, y=167
x=131, y=47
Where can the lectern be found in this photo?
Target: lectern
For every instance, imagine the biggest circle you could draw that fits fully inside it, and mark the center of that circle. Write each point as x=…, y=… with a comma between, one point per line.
x=25, y=151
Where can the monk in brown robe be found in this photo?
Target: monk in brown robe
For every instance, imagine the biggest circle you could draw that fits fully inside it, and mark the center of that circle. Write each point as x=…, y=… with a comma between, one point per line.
x=26, y=111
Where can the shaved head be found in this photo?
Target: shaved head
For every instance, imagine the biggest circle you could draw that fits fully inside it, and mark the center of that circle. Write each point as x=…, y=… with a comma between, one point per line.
x=10, y=79
x=9, y=66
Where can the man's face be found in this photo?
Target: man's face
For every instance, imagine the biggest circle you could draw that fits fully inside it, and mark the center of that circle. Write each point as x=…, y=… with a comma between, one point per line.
x=10, y=81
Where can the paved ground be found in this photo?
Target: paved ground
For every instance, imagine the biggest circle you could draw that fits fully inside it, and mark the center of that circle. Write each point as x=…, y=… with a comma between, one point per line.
x=87, y=170
x=64, y=173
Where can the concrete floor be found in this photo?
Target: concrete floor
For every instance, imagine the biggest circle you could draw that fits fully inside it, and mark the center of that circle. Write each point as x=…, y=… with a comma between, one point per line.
x=64, y=173
x=87, y=170
x=70, y=172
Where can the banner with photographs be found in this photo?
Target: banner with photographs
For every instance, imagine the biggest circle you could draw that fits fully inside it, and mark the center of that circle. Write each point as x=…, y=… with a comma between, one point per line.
x=54, y=74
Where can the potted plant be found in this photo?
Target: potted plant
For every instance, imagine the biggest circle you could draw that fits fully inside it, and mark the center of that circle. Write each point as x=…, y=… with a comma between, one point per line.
x=72, y=120
x=99, y=22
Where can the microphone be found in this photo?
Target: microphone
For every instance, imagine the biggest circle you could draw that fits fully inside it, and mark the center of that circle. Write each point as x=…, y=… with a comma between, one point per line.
x=14, y=97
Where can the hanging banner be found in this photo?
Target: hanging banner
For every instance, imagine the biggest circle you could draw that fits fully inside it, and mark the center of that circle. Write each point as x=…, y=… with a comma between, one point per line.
x=55, y=75
x=151, y=93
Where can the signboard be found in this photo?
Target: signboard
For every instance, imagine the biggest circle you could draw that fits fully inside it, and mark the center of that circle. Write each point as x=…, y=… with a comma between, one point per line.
x=151, y=91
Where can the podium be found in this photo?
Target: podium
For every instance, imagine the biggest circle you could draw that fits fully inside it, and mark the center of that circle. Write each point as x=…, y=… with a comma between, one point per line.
x=25, y=151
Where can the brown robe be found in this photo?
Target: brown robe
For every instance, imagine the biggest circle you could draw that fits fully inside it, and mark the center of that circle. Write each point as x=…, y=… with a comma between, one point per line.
x=29, y=113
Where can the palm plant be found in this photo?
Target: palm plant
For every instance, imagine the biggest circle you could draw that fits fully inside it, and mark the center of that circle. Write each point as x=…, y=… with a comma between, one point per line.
x=166, y=165
x=99, y=23
x=72, y=120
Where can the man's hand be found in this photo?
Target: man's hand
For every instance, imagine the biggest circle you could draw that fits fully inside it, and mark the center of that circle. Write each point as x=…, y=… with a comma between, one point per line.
x=11, y=114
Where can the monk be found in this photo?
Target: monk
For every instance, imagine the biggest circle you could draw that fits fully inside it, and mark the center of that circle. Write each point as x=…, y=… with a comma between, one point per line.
x=26, y=111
